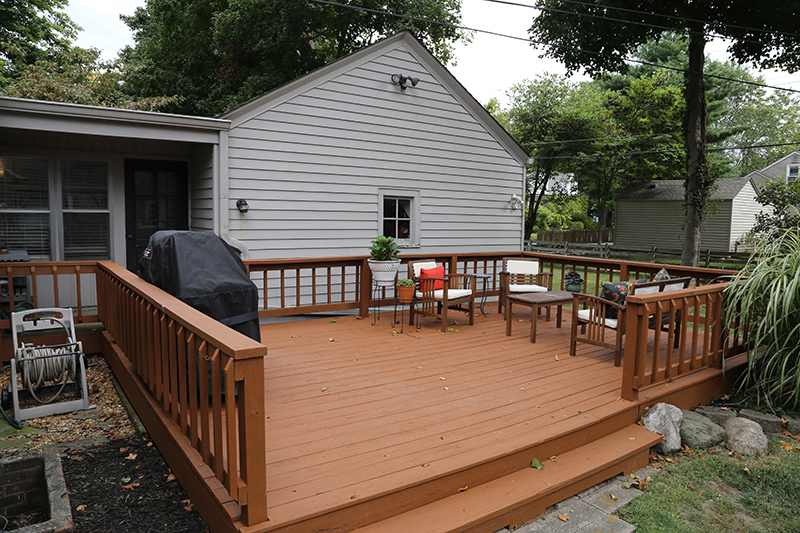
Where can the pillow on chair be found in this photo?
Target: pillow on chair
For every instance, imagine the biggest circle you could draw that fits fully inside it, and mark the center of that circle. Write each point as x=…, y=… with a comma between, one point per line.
x=615, y=292
x=437, y=272
x=661, y=275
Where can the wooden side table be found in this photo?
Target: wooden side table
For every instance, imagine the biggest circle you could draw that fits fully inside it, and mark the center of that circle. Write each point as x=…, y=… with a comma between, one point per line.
x=535, y=300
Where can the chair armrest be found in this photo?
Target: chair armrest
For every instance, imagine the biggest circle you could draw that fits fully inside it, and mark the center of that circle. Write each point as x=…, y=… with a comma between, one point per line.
x=578, y=298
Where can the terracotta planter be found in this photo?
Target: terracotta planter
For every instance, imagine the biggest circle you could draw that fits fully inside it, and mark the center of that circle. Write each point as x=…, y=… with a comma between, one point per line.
x=405, y=294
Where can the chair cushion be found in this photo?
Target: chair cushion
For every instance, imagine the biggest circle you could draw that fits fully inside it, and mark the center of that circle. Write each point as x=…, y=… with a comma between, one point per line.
x=586, y=315
x=526, y=288
x=452, y=294
x=518, y=266
x=661, y=275
x=437, y=272
x=615, y=292
x=419, y=266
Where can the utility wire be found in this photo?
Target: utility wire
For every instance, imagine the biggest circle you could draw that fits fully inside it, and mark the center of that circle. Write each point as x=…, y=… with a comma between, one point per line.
x=673, y=151
x=541, y=43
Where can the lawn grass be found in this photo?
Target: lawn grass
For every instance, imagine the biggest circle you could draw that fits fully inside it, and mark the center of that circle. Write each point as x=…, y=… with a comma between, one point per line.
x=707, y=492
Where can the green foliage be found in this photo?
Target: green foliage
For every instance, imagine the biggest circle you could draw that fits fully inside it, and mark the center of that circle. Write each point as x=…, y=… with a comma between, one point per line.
x=30, y=32
x=784, y=199
x=405, y=282
x=78, y=76
x=765, y=295
x=384, y=249
x=218, y=54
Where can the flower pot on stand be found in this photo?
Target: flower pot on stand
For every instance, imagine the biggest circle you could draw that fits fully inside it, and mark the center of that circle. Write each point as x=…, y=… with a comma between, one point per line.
x=383, y=272
x=405, y=294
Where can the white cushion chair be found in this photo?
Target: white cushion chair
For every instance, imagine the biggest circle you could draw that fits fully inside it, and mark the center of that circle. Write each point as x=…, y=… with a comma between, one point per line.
x=437, y=292
x=522, y=275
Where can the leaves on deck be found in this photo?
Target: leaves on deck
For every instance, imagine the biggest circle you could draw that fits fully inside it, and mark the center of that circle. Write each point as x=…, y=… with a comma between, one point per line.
x=537, y=464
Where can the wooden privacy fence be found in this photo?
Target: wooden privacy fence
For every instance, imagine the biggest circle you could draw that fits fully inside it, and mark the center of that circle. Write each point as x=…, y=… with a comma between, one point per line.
x=696, y=336
x=205, y=381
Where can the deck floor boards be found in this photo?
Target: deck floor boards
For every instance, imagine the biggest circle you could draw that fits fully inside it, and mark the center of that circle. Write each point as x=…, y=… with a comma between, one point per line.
x=357, y=410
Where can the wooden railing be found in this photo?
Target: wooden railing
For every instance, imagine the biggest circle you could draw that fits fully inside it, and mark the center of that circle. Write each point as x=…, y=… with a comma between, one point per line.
x=206, y=381
x=695, y=336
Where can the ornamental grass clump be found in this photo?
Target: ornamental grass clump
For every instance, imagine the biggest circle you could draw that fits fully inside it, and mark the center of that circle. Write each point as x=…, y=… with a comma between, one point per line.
x=765, y=295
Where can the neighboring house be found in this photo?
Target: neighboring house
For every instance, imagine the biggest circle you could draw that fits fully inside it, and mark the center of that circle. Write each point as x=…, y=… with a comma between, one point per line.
x=325, y=163
x=785, y=169
x=651, y=214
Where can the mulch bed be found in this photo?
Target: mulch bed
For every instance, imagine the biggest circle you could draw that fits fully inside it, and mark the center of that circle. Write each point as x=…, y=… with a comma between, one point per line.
x=125, y=485
x=117, y=480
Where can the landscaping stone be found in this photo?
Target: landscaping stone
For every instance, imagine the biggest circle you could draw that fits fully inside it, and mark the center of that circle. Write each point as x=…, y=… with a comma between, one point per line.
x=699, y=431
x=769, y=423
x=745, y=436
x=718, y=415
x=792, y=425
x=665, y=419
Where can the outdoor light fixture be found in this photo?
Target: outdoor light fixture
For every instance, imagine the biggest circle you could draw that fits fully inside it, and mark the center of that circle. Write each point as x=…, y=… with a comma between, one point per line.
x=516, y=203
x=403, y=81
x=242, y=206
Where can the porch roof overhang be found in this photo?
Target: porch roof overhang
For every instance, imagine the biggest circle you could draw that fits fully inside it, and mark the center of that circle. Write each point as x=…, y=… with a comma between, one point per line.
x=61, y=117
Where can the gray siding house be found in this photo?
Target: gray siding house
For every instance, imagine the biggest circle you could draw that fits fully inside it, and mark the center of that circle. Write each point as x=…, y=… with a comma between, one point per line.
x=651, y=214
x=784, y=169
x=325, y=163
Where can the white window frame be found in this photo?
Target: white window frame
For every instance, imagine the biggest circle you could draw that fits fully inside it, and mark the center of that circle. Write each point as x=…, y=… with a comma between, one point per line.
x=790, y=177
x=414, y=240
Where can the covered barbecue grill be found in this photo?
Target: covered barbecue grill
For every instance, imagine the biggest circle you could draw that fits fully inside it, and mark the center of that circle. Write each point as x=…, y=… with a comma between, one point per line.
x=200, y=269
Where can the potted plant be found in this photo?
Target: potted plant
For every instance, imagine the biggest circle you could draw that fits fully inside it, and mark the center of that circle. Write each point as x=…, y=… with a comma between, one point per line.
x=405, y=290
x=383, y=261
x=573, y=281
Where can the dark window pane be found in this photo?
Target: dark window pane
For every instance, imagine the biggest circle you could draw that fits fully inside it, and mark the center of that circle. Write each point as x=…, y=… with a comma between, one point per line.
x=389, y=228
x=389, y=208
x=24, y=183
x=86, y=236
x=404, y=208
x=403, y=229
x=84, y=185
x=26, y=231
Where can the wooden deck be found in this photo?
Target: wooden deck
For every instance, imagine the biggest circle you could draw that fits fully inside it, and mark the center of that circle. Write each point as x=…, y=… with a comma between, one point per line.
x=367, y=425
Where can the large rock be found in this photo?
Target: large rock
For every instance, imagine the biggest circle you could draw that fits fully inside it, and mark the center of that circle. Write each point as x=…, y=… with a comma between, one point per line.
x=697, y=430
x=665, y=419
x=718, y=415
x=745, y=436
x=769, y=423
x=792, y=425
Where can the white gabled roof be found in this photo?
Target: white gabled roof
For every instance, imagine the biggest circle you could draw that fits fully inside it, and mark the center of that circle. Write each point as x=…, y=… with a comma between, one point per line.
x=287, y=91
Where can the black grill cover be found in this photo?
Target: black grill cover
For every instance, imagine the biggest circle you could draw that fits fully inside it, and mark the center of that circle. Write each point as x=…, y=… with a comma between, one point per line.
x=200, y=269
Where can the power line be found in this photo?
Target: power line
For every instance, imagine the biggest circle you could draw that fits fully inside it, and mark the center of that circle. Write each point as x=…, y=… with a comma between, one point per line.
x=672, y=151
x=541, y=43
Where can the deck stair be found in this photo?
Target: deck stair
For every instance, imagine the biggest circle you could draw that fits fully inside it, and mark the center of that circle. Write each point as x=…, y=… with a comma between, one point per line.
x=527, y=493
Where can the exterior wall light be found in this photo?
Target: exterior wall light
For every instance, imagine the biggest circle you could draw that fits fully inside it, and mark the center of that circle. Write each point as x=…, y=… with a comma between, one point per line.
x=242, y=206
x=516, y=203
x=404, y=81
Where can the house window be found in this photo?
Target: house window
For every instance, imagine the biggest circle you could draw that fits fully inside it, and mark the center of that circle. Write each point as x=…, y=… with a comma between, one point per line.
x=792, y=173
x=71, y=224
x=25, y=206
x=400, y=216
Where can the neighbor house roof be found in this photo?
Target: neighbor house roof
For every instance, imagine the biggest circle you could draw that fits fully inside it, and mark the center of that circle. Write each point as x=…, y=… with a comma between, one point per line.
x=673, y=190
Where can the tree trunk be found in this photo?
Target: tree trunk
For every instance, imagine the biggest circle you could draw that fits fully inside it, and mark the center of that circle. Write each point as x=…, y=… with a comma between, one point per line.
x=535, y=195
x=698, y=182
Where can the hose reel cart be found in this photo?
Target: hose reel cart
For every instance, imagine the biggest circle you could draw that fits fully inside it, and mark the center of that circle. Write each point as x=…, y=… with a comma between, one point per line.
x=49, y=371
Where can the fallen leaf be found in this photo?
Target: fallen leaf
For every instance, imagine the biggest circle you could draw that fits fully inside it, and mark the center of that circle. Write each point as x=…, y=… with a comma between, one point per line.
x=131, y=456
x=537, y=464
x=324, y=389
x=170, y=478
x=557, y=357
x=462, y=489
x=669, y=459
x=331, y=339
x=447, y=388
x=189, y=507
x=747, y=471
x=613, y=498
x=80, y=508
x=130, y=485
x=629, y=484
x=126, y=480
x=563, y=517
x=443, y=379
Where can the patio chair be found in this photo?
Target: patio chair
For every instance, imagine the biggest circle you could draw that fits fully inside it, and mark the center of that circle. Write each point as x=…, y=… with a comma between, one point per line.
x=599, y=315
x=521, y=275
x=437, y=292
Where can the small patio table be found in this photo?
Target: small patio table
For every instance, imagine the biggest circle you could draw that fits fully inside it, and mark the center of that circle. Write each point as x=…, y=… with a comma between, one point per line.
x=535, y=300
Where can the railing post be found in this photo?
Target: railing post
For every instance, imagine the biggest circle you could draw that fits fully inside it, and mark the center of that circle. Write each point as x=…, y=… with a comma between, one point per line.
x=630, y=390
x=253, y=440
x=366, y=290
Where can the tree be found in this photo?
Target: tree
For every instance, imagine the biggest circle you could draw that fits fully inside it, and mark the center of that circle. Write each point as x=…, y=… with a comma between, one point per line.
x=784, y=200
x=29, y=32
x=218, y=54
x=78, y=76
x=597, y=35
x=548, y=117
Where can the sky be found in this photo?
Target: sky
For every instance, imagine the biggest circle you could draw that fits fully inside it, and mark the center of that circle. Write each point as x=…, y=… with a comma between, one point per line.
x=488, y=67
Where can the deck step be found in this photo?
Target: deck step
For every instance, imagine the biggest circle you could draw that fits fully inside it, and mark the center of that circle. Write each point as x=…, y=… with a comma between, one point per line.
x=520, y=497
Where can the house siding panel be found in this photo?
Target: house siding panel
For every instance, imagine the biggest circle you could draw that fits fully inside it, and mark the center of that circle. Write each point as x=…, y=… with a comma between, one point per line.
x=745, y=209
x=312, y=166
